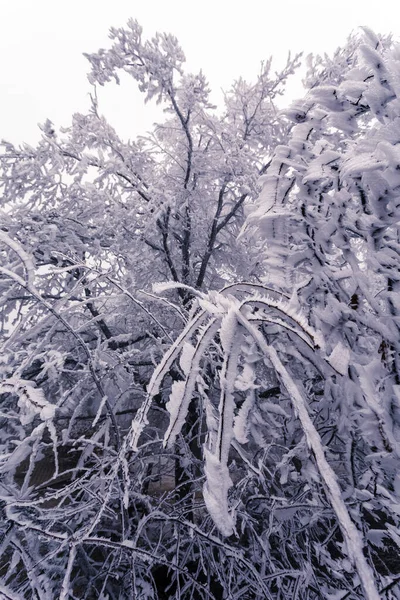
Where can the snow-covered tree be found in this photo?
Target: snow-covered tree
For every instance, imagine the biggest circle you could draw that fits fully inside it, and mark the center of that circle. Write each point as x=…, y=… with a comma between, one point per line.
x=321, y=335
x=88, y=223
x=276, y=390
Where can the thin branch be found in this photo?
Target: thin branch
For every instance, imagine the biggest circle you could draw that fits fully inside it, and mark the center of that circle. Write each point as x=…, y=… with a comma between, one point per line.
x=94, y=163
x=232, y=212
x=212, y=237
x=163, y=226
x=185, y=247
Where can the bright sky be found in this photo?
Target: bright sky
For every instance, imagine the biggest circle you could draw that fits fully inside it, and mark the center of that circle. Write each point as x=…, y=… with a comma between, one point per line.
x=43, y=72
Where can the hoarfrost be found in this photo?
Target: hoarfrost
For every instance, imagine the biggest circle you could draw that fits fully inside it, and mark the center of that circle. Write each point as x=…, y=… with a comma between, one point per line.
x=215, y=492
x=339, y=358
x=241, y=424
x=185, y=361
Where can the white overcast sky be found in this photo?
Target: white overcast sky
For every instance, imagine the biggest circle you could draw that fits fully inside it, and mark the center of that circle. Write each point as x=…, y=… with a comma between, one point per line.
x=43, y=72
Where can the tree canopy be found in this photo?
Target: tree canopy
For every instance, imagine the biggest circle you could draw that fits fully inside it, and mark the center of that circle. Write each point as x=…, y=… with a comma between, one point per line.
x=200, y=384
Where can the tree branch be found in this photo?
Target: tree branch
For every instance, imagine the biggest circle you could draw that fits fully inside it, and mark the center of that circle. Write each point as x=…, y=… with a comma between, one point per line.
x=212, y=237
x=94, y=163
x=163, y=226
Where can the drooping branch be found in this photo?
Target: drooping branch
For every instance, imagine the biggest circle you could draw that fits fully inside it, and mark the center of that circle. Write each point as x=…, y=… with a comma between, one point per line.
x=350, y=532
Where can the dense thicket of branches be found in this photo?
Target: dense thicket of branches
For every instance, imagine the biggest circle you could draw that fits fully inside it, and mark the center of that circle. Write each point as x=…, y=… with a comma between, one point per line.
x=232, y=432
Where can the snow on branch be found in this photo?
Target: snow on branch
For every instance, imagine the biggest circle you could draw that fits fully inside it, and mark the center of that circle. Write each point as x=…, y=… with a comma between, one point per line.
x=231, y=325
x=31, y=400
x=182, y=391
x=140, y=420
x=350, y=532
x=24, y=256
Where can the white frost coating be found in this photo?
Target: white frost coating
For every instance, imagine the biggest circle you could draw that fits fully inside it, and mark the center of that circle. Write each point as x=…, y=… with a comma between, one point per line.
x=211, y=308
x=7, y=593
x=241, y=425
x=48, y=412
x=319, y=167
x=270, y=221
x=370, y=37
x=185, y=361
x=390, y=152
x=228, y=328
x=140, y=420
x=31, y=400
x=211, y=418
x=339, y=358
x=14, y=459
x=396, y=390
x=137, y=427
x=372, y=59
x=245, y=381
x=174, y=403
x=25, y=258
x=22, y=451
x=323, y=93
x=288, y=310
x=215, y=493
x=159, y=288
x=182, y=395
x=65, y=589
x=350, y=532
x=360, y=164
x=227, y=400
x=366, y=375
x=99, y=410
x=218, y=480
x=266, y=198
x=353, y=88
x=275, y=409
